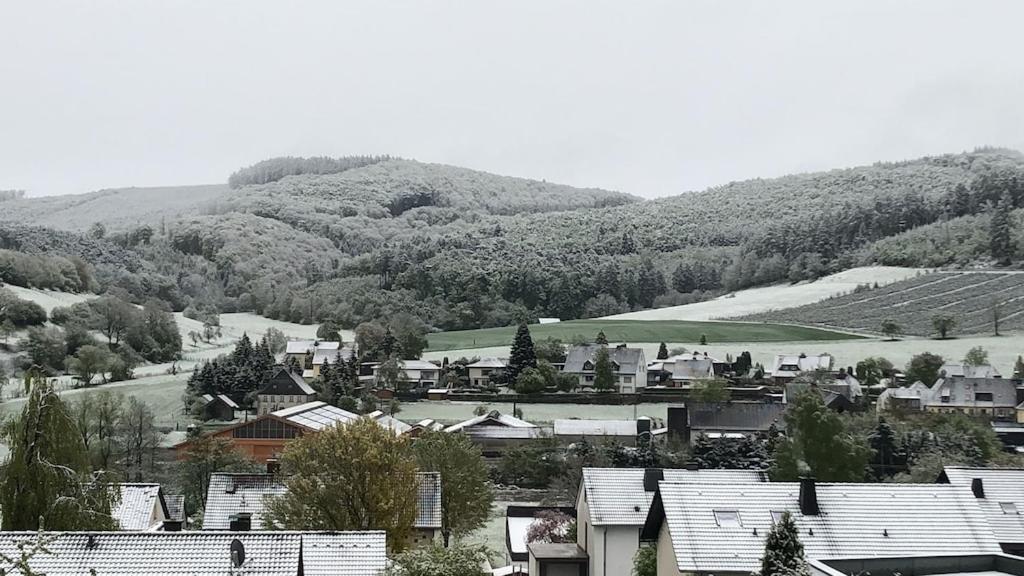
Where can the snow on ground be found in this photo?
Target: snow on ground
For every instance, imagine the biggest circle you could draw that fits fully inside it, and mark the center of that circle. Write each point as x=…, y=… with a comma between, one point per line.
x=1002, y=350
x=48, y=299
x=754, y=300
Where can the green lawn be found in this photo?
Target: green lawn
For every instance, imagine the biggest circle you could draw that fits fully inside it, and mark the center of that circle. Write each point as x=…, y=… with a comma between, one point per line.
x=676, y=331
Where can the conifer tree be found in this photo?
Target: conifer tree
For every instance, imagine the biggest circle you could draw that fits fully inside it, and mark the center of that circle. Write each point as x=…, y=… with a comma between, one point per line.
x=783, y=551
x=883, y=442
x=1018, y=367
x=604, y=377
x=523, y=355
x=601, y=339
x=1000, y=233
x=662, y=351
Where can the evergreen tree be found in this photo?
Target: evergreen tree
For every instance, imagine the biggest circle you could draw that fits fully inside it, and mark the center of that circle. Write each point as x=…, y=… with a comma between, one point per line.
x=783, y=551
x=1000, y=232
x=601, y=339
x=885, y=461
x=1018, y=367
x=522, y=356
x=47, y=482
x=662, y=351
x=743, y=363
x=604, y=376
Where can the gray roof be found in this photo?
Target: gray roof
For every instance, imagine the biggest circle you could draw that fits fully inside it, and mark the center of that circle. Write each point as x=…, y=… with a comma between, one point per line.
x=230, y=494
x=203, y=553
x=284, y=382
x=135, y=510
x=576, y=427
x=1001, y=486
x=856, y=520
x=791, y=364
x=968, y=371
x=304, y=346
x=175, y=507
x=735, y=416
x=692, y=369
x=491, y=419
x=628, y=359
x=616, y=496
x=961, y=392
x=331, y=355
x=489, y=362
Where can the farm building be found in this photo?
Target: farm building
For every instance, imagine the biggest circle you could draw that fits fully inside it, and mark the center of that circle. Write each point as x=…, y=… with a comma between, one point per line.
x=285, y=390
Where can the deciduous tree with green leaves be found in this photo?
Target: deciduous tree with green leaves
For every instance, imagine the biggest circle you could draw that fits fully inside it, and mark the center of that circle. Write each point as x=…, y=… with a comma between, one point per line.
x=204, y=456
x=440, y=561
x=47, y=482
x=359, y=476
x=976, y=356
x=924, y=367
x=891, y=329
x=943, y=325
x=816, y=438
x=466, y=493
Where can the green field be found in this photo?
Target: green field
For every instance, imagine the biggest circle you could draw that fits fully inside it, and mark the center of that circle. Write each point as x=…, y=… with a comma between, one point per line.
x=677, y=331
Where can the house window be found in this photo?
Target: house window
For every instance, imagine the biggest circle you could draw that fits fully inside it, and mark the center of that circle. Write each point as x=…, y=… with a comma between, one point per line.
x=777, y=516
x=982, y=396
x=589, y=378
x=728, y=518
x=945, y=399
x=627, y=379
x=1008, y=507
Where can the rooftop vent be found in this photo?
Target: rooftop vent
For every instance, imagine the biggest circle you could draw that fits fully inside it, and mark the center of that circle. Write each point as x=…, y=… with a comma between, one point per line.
x=808, y=497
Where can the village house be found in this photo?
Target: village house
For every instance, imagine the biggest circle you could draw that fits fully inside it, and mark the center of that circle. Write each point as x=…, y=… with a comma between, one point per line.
x=144, y=507
x=480, y=372
x=905, y=398
x=416, y=373
x=974, y=390
x=684, y=369
x=720, y=527
x=724, y=419
x=265, y=437
x=612, y=505
x=276, y=553
x=920, y=565
x=629, y=369
x=237, y=502
x=626, y=432
x=518, y=520
x=787, y=366
x=218, y=407
x=1000, y=494
x=285, y=390
x=495, y=432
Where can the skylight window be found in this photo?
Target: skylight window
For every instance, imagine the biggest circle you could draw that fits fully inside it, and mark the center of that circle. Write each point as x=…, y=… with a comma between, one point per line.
x=1008, y=507
x=727, y=518
x=777, y=516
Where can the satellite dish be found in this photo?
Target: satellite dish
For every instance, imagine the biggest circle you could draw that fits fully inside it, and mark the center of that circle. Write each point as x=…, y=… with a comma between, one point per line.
x=237, y=553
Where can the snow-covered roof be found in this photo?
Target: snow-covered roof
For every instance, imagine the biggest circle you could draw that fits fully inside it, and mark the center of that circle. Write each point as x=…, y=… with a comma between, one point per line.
x=489, y=362
x=576, y=427
x=493, y=418
x=140, y=507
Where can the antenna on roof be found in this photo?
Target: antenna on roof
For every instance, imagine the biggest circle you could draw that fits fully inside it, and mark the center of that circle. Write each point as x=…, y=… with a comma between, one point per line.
x=237, y=553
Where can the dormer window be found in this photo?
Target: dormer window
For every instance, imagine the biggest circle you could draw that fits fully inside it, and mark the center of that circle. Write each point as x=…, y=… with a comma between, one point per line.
x=1009, y=508
x=728, y=518
x=588, y=365
x=982, y=396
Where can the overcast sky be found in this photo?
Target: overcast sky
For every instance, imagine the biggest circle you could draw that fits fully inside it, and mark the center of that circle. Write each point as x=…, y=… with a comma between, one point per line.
x=652, y=98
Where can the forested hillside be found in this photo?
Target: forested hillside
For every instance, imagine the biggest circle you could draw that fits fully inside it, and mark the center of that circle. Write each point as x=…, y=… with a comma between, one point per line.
x=363, y=238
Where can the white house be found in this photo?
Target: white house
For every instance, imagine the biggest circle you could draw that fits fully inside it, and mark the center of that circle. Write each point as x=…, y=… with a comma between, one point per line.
x=628, y=366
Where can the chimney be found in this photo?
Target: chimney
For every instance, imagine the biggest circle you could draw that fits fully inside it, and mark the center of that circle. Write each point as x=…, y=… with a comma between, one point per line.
x=241, y=522
x=172, y=525
x=651, y=478
x=978, y=487
x=273, y=465
x=808, y=497
x=692, y=465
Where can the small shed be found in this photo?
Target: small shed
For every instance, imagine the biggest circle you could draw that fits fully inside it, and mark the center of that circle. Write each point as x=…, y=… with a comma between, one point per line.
x=219, y=407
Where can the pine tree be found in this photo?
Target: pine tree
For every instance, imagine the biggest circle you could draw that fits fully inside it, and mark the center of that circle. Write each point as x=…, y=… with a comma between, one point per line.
x=1000, y=233
x=604, y=377
x=883, y=442
x=601, y=339
x=523, y=355
x=783, y=551
x=1018, y=367
x=662, y=351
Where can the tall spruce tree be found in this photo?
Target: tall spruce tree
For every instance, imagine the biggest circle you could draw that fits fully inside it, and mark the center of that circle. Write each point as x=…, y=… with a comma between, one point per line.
x=1000, y=233
x=601, y=338
x=783, y=551
x=662, y=351
x=604, y=376
x=522, y=356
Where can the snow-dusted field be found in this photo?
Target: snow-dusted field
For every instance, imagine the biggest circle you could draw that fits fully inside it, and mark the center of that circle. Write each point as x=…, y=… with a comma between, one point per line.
x=48, y=299
x=755, y=300
x=1002, y=350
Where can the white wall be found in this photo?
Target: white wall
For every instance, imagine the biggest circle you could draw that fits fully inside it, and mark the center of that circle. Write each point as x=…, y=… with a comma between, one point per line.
x=667, y=565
